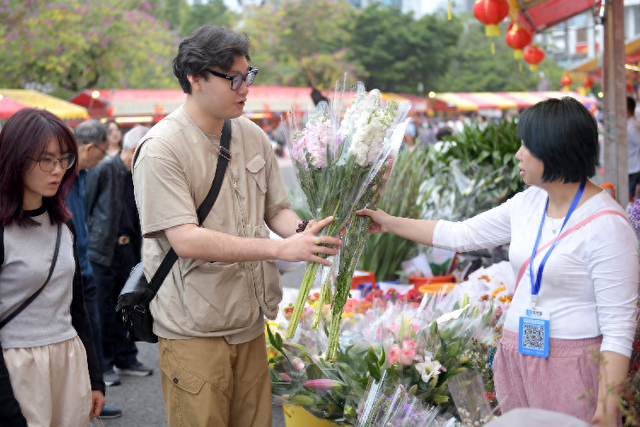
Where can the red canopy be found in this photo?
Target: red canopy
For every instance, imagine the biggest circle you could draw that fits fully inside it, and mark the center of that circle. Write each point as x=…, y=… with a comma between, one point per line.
x=542, y=14
x=8, y=107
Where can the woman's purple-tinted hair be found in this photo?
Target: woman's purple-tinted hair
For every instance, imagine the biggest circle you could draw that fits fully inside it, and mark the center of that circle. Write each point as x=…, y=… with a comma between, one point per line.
x=28, y=134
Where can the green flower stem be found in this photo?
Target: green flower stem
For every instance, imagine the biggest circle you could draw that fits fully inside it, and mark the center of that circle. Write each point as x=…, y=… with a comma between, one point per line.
x=305, y=287
x=324, y=298
x=354, y=242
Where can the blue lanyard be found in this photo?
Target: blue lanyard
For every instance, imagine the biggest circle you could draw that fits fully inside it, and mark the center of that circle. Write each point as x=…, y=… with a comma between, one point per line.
x=535, y=285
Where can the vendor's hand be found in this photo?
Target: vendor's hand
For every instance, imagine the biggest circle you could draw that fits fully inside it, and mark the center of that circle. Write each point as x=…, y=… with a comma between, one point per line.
x=379, y=220
x=97, y=402
x=306, y=245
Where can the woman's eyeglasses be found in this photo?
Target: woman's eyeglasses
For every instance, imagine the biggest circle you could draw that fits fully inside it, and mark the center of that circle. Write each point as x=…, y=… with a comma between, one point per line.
x=48, y=163
x=236, y=81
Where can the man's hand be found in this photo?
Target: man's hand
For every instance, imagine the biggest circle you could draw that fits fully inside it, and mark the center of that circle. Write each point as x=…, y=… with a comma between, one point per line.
x=305, y=246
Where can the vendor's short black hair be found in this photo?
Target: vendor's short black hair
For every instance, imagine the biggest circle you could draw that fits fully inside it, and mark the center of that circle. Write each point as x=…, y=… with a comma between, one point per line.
x=208, y=46
x=563, y=134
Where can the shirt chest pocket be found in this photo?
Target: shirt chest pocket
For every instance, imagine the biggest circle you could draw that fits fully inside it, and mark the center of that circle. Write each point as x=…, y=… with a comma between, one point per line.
x=255, y=167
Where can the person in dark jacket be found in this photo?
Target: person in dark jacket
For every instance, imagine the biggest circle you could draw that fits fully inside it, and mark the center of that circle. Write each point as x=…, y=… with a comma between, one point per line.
x=49, y=370
x=91, y=136
x=115, y=243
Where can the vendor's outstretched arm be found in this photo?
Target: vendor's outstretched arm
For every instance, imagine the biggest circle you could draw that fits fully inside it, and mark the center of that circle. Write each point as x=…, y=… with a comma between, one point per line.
x=418, y=230
x=191, y=241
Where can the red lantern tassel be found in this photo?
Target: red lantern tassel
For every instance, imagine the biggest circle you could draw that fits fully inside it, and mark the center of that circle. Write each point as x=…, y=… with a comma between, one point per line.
x=449, y=11
x=493, y=47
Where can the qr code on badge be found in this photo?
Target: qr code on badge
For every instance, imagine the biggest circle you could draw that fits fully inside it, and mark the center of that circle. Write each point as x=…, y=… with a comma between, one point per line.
x=533, y=337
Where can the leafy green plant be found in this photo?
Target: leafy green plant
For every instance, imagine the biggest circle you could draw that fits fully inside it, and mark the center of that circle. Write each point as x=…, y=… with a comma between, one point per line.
x=474, y=171
x=403, y=196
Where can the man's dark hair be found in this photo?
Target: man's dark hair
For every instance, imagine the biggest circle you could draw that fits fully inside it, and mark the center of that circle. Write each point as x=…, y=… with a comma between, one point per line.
x=208, y=47
x=91, y=131
x=563, y=134
x=631, y=105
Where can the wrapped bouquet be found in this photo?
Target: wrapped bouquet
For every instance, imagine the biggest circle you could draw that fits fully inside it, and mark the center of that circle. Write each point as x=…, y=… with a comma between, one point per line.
x=336, y=155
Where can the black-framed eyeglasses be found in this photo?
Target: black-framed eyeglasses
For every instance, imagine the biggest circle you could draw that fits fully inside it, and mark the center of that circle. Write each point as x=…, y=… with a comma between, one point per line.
x=104, y=152
x=236, y=81
x=48, y=163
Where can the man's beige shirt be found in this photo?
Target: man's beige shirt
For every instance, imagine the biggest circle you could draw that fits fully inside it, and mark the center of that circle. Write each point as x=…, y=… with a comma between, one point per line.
x=173, y=171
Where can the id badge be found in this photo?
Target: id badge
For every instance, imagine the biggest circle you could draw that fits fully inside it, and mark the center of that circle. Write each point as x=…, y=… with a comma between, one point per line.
x=533, y=338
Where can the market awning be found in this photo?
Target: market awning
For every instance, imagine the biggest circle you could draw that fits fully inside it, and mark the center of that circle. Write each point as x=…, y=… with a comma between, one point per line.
x=8, y=107
x=418, y=104
x=467, y=102
x=543, y=14
x=31, y=98
x=140, y=102
x=130, y=102
x=593, y=67
x=278, y=99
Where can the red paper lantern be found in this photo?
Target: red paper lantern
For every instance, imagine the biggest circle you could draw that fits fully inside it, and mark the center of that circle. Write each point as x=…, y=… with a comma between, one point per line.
x=517, y=38
x=533, y=55
x=566, y=81
x=587, y=83
x=491, y=13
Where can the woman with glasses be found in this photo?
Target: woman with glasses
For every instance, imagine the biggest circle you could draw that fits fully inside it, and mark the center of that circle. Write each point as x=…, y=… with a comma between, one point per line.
x=49, y=372
x=114, y=137
x=570, y=327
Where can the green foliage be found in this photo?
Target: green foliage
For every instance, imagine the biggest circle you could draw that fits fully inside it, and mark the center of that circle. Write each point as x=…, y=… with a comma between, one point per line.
x=171, y=11
x=76, y=44
x=384, y=252
x=205, y=12
x=474, y=69
x=301, y=42
x=398, y=51
x=474, y=171
x=184, y=17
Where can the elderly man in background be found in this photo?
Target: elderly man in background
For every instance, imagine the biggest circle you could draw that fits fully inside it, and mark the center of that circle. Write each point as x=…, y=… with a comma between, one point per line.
x=115, y=242
x=92, y=144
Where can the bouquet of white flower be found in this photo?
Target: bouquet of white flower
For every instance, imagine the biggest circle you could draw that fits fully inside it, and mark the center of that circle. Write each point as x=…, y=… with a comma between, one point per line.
x=335, y=160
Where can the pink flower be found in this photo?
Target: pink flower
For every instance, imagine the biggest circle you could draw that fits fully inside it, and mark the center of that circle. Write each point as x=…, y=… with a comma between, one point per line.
x=406, y=356
x=394, y=354
x=409, y=344
x=285, y=377
x=323, y=384
x=298, y=364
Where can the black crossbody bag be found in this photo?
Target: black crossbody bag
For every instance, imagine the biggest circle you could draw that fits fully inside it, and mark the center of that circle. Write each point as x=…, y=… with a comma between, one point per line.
x=137, y=293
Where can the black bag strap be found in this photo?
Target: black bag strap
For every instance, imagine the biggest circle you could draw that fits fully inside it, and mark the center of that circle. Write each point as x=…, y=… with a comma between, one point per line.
x=224, y=155
x=32, y=297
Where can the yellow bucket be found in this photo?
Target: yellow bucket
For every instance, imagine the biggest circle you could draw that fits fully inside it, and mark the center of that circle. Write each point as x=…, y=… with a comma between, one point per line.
x=295, y=416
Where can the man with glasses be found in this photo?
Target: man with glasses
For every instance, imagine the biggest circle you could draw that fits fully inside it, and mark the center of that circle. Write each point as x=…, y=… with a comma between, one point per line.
x=209, y=311
x=92, y=142
x=115, y=242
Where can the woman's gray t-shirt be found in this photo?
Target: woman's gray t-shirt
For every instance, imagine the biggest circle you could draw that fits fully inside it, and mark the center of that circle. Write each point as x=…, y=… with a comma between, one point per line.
x=28, y=252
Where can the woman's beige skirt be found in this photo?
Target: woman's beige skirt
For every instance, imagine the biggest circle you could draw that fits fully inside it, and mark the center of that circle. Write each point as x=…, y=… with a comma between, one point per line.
x=51, y=383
